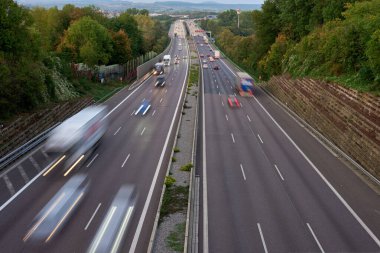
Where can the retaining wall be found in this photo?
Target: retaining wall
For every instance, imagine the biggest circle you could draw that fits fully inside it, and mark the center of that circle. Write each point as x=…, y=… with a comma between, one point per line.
x=346, y=117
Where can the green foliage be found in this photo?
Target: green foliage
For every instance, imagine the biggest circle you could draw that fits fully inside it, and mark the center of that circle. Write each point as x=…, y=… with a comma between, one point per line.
x=88, y=41
x=175, y=200
x=122, y=51
x=169, y=181
x=176, y=239
x=187, y=167
x=174, y=159
x=176, y=150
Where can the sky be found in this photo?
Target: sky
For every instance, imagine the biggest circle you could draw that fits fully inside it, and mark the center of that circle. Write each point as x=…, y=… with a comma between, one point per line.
x=151, y=1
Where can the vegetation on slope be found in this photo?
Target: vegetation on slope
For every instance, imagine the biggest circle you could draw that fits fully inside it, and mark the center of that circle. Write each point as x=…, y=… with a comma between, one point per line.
x=334, y=40
x=38, y=47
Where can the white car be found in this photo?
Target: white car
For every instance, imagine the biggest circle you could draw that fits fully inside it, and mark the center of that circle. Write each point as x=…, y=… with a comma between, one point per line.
x=204, y=61
x=205, y=66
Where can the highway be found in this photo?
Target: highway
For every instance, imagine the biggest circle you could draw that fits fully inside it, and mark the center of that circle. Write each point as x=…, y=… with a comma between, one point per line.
x=270, y=186
x=135, y=150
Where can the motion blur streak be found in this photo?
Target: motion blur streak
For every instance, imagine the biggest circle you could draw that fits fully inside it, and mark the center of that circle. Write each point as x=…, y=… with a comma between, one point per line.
x=64, y=217
x=72, y=167
x=43, y=218
x=122, y=230
x=103, y=229
x=54, y=165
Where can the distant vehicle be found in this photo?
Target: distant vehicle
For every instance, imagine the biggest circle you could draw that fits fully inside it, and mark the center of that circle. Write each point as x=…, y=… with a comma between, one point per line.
x=55, y=214
x=201, y=45
x=204, y=61
x=201, y=55
x=211, y=59
x=216, y=67
x=167, y=60
x=205, y=38
x=217, y=54
x=110, y=235
x=159, y=68
x=184, y=57
x=233, y=101
x=244, y=84
x=205, y=66
x=74, y=137
x=144, y=107
x=160, y=81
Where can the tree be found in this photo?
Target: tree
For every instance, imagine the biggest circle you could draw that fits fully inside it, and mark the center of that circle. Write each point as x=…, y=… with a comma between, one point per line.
x=88, y=41
x=127, y=23
x=122, y=51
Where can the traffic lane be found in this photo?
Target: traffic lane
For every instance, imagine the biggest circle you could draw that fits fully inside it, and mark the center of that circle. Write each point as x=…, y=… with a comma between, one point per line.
x=17, y=218
x=225, y=185
x=261, y=196
x=38, y=208
x=362, y=198
x=322, y=206
x=115, y=179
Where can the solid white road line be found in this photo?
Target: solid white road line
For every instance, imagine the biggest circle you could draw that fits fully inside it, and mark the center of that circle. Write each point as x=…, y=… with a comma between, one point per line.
x=154, y=181
x=232, y=136
x=126, y=159
x=278, y=171
x=133, y=112
x=25, y=186
x=260, y=139
x=315, y=237
x=342, y=200
x=226, y=117
x=242, y=171
x=92, y=160
x=153, y=112
x=262, y=238
x=204, y=173
x=9, y=185
x=92, y=217
x=142, y=132
x=23, y=174
x=249, y=119
x=117, y=131
x=35, y=164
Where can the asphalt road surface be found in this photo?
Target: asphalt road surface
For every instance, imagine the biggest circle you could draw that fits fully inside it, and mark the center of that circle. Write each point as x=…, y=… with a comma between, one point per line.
x=135, y=150
x=268, y=185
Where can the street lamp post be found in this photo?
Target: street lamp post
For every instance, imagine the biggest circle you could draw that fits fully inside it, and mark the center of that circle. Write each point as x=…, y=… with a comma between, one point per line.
x=238, y=13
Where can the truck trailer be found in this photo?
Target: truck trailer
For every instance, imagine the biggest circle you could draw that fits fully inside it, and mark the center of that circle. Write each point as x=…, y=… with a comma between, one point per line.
x=217, y=54
x=167, y=60
x=77, y=135
x=244, y=84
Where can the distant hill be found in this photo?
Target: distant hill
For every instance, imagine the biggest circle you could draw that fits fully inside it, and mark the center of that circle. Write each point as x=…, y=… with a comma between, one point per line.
x=160, y=7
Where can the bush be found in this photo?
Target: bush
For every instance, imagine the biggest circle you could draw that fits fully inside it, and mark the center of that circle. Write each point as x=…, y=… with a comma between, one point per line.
x=169, y=181
x=187, y=167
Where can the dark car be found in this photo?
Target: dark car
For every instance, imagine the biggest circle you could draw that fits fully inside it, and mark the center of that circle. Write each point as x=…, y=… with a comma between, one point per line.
x=216, y=67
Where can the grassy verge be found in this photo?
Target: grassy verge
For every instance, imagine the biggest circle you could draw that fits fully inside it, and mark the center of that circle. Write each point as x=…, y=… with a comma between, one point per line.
x=174, y=200
x=175, y=241
x=101, y=91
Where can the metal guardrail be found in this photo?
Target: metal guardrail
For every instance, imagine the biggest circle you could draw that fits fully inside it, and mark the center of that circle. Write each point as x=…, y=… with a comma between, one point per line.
x=20, y=151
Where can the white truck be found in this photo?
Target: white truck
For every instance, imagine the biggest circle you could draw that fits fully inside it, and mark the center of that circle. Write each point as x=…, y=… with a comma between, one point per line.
x=74, y=137
x=167, y=60
x=217, y=54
